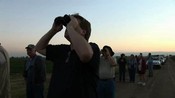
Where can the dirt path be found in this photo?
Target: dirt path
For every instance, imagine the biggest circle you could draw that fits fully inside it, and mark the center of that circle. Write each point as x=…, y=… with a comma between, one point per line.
x=161, y=85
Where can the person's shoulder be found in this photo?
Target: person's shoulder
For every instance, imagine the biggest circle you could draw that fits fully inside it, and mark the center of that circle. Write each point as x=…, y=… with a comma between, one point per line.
x=38, y=57
x=95, y=47
x=58, y=45
x=54, y=48
x=93, y=44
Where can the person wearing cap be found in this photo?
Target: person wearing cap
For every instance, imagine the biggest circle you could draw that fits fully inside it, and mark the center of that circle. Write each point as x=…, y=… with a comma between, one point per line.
x=106, y=86
x=4, y=73
x=34, y=73
x=75, y=69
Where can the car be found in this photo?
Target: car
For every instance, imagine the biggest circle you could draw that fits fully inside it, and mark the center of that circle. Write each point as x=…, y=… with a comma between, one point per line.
x=163, y=59
x=157, y=63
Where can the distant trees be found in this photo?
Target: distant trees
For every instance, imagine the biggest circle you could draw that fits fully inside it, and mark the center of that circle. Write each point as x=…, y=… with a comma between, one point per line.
x=17, y=65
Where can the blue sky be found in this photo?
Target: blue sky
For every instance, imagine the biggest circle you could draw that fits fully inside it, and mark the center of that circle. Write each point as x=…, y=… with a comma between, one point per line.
x=125, y=25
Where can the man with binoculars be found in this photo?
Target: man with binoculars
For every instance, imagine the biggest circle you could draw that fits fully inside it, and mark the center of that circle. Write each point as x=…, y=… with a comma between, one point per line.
x=76, y=65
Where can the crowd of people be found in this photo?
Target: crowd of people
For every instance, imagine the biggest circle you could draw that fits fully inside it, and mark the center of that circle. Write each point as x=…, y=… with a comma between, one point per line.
x=80, y=69
x=135, y=65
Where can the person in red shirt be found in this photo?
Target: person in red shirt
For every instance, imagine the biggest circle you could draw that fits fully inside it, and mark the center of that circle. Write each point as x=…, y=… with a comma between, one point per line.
x=142, y=70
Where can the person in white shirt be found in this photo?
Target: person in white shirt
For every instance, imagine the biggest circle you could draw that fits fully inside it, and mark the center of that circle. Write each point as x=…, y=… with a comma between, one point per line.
x=106, y=85
x=4, y=74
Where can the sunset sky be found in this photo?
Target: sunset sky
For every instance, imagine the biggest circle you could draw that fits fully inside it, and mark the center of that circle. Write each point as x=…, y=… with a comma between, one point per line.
x=125, y=25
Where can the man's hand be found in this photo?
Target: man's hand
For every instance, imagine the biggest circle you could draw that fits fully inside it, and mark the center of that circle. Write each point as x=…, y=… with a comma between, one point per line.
x=56, y=27
x=74, y=23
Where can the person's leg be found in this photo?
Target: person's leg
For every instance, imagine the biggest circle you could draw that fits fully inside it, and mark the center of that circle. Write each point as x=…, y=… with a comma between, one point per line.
x=110, y=89
x=120, y=74
x=149, y=70
x=39, y=90
x=130, y=74
x=124, y=75
x=140, y=78
x=134, y=73
x=29, y=90
x=100, y=89
x=143, y=79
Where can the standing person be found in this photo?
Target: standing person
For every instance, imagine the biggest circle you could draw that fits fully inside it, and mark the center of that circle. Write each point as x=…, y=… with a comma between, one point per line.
x=150, y=65
x=34, y=73
x=132, y=66
x=75, y=70
x=122, y=67
x=106, y=86
x=142, y=70
x=4, y=74
x=137, y=63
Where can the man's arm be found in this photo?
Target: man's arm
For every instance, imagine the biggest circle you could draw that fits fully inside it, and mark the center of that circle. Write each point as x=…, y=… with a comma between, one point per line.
x=112, y=61
x=79, y=43
x=43, y=42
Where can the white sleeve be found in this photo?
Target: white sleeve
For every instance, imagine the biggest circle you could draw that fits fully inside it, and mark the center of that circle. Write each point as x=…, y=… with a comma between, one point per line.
x=2, y=59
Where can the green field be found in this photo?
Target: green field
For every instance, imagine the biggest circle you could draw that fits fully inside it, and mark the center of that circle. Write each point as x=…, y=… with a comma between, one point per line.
x=18, y=88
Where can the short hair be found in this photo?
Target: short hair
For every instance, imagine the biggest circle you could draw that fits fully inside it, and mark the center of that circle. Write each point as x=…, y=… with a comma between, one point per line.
x=85, y=25
x=140, y=54
x=132, y=54
x=122, y=55
x=110, y=49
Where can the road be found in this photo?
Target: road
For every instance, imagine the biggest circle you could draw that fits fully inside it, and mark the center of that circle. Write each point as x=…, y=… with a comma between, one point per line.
x=161, y=85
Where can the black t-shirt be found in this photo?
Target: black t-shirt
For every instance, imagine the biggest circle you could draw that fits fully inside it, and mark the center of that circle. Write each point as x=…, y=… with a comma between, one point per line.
x=122, y=62
x=71, y=77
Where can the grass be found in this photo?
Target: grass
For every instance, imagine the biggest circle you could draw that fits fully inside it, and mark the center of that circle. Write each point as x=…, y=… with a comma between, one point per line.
x=17, y=65
x=18, y=87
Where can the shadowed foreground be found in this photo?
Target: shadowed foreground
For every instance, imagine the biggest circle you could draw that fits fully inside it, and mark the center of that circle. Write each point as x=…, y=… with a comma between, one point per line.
x=161, y=85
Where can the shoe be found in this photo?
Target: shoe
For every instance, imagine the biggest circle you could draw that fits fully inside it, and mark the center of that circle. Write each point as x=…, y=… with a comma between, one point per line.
x=143, y=83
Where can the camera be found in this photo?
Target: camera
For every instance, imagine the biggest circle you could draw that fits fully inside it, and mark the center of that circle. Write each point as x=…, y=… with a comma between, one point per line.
x=62, y=20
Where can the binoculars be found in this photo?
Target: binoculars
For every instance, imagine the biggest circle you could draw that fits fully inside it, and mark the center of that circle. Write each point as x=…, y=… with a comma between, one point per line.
x=62, y=20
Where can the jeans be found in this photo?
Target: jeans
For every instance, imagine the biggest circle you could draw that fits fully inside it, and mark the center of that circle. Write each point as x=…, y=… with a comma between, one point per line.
x=35, y=90
x=122, y=74
x=150, y=69
x=106, y=88
x=132, y=72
